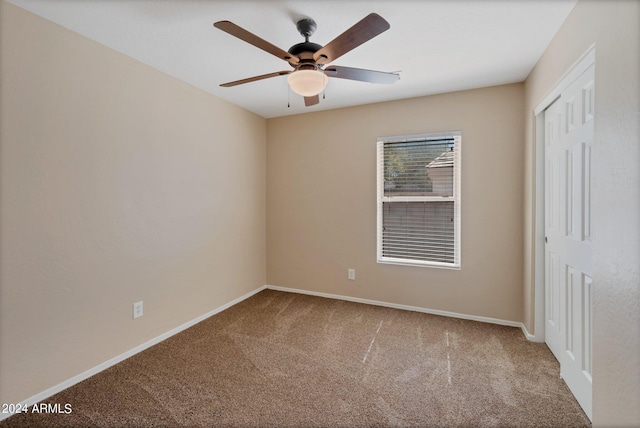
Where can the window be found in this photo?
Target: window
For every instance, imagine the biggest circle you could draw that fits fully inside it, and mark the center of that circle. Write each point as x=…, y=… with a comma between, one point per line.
x=419, y=200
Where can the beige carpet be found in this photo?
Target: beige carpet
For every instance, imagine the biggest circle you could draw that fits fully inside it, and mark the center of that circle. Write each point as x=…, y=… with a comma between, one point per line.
x=282, y=359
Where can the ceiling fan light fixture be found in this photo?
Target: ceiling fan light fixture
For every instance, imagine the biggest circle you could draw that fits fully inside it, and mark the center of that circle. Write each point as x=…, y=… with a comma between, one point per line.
x=307, y=83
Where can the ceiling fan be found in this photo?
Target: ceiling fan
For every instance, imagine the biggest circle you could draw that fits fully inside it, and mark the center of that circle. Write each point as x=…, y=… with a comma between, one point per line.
x=309, y=75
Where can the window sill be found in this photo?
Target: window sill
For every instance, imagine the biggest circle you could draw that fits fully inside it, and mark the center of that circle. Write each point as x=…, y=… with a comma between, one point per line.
x=436, y=265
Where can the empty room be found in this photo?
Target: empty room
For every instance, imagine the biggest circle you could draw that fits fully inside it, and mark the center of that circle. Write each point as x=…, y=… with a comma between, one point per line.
x=320, y=213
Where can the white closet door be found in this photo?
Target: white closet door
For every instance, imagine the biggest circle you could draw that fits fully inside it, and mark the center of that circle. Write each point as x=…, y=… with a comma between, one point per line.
x=568, y=141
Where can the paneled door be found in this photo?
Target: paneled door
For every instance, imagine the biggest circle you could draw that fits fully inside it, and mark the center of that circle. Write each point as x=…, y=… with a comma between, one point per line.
x=568, y=142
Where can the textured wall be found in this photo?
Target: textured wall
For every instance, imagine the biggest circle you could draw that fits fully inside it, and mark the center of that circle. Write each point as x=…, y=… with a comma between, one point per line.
x=118, y=184
x=321, y=202
x=613, y=27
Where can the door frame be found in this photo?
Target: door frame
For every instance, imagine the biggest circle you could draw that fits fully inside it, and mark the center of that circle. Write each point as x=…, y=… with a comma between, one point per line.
x=587, y=59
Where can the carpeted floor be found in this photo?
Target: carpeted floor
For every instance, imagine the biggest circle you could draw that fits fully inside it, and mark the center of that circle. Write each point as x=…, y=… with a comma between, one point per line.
x=282, y=359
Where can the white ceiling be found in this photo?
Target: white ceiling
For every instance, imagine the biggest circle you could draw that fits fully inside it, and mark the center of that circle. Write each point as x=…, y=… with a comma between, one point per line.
x=437, y=46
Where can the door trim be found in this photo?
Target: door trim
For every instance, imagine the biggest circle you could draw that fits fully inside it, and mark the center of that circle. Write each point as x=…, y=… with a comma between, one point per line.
x=581, y=65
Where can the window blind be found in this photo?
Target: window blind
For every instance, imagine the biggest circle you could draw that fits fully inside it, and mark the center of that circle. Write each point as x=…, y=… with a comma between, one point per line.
x=419, y=199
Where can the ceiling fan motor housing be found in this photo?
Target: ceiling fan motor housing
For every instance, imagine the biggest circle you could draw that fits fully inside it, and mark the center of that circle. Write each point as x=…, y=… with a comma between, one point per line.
x=300, y=48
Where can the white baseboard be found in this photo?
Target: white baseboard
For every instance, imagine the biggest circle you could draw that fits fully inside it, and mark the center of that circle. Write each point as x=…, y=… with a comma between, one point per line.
x=531, y=337
x=403, y=307
x=97, y=369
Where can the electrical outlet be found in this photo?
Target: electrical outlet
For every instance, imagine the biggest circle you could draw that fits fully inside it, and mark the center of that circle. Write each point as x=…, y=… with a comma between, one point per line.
x=351, y=274
x=137, y=310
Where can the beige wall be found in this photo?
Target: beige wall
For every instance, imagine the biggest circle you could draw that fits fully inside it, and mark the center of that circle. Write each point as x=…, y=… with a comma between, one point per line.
x=614, y=28
x=321, y=202
x=118, y=184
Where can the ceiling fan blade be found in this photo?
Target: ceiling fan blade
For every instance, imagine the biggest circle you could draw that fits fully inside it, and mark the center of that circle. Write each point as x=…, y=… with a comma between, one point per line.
x=242, y=34
x=366, y=29
x=311, y=101
x=361, y=74
x=254, y=78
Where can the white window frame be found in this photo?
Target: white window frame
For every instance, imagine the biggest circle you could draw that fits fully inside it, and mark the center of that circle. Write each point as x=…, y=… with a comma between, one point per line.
x=456, y=198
